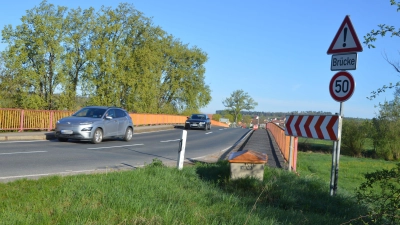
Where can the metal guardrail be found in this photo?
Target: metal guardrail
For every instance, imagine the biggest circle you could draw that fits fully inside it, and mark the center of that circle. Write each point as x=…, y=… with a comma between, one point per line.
x=22, y=119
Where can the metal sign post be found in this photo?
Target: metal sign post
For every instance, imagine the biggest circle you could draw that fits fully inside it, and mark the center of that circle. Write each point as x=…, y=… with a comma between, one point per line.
x=338, y=152
x=333, y=170
x=342, y=84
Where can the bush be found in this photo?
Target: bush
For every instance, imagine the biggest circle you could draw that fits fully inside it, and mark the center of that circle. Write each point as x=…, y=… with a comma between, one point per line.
x=156, y=163
x=354, y=135
x=381, y=193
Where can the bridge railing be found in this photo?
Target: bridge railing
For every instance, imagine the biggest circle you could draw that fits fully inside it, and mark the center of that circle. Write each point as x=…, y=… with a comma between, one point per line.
x=22, y=119
x=283, y=142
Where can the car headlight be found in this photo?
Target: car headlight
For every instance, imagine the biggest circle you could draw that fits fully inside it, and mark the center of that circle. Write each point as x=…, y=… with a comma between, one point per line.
x=86, y=123
x=58, y=121
x=202, y=123
x=87, y=129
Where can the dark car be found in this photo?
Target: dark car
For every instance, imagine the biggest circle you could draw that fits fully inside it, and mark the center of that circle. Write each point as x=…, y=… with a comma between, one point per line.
x=198, y=121
x=95, y=123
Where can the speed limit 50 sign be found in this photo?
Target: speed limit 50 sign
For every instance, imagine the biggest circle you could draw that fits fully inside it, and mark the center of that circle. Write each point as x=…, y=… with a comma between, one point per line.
x=342, y=86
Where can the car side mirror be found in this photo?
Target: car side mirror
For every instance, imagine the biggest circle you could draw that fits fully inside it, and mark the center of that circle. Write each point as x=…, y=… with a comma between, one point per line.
x=108, y=117
x=187, y=117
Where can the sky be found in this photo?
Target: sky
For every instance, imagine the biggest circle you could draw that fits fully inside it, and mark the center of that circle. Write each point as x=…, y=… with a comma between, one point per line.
x=276, y=51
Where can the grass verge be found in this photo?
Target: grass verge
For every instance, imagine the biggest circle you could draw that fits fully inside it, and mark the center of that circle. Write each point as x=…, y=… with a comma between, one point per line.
x=351, y=170
x=200, y=194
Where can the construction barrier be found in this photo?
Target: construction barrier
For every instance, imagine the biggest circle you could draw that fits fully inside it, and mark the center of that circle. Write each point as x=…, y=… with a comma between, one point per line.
x=22, y=119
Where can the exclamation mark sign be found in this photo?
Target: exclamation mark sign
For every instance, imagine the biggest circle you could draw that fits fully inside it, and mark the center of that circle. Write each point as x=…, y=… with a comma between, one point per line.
x=344, y=34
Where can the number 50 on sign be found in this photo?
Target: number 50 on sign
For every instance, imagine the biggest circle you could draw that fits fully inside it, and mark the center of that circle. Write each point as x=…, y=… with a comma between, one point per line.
x=342, y=86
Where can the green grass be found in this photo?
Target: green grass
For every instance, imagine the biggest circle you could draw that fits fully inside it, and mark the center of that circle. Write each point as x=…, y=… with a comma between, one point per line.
x=200, y=194
x=351, y=170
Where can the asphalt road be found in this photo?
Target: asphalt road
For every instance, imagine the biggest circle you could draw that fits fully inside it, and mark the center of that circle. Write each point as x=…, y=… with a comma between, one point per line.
x=33, y=159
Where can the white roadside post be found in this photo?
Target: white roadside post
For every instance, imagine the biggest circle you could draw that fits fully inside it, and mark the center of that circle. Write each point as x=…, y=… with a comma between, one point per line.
x=181, y=153
x=291, y=143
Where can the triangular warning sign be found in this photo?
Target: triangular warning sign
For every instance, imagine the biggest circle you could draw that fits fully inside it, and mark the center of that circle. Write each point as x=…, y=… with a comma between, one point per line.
x=345, y=40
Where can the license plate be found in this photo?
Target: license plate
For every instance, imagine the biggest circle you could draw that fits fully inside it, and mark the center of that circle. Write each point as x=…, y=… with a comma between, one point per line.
x=67, y=132
x=194, y=125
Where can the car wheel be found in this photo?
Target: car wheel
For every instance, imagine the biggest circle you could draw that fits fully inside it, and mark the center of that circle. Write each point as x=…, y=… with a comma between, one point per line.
x=128, y=134
x=97, y=136
x=62, y=139
x=187, y=127
x=209, y=126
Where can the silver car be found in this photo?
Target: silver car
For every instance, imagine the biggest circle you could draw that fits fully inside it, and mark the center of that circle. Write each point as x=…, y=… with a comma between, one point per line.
x=95, y=123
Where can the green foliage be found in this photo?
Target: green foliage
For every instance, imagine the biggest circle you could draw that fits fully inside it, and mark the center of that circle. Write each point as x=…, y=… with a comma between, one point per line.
x=238, y=101
x=229, y=117
x=34, y=55
x=386, y=136
x=113, y=57
x=381, y=192
x=383, y=30
x=371, y=37
x=216, y=117
x=247, y=119
x=354, y=136
x=199, y=194
x=156, y=163
x=239, y=117
x=188, y=112
x=76, y=58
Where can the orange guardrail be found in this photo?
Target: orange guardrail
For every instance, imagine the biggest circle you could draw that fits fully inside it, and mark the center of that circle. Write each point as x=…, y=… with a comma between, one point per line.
x=151, y=119
x=217, y=123
x=283, y=142
x=21, y=119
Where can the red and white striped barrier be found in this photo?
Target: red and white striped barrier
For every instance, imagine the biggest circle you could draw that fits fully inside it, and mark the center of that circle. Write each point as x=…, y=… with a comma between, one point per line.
x=312, y=126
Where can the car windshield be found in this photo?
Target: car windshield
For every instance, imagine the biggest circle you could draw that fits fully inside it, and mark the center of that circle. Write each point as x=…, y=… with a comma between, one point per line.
x=198, y=116
x=90, y=112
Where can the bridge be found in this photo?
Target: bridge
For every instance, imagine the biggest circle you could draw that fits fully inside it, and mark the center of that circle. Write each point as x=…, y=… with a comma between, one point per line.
x=271, y=140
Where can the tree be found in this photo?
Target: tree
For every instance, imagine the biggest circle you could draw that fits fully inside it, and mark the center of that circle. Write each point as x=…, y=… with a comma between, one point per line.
x=371, y=37
x=216, y=117
x=354, y=135
x=238, y=101
x=56, y=58
x=182, y=78
x=387, y=125
x=247, y=119
x=34, y=55
x=75, y=60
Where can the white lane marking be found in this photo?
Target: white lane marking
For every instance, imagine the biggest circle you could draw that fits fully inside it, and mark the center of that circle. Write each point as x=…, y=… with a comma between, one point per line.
x=209, y=133
x=171, y=140
x=46, y=174
x=151, y=131
x=119, y=146
x=222, y=129
x=14, y=153
x=6, y=142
